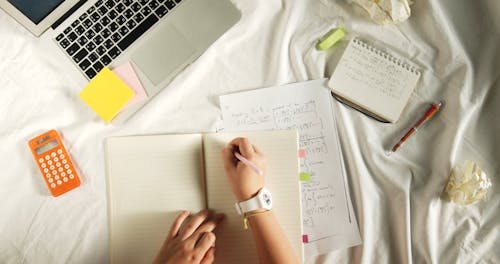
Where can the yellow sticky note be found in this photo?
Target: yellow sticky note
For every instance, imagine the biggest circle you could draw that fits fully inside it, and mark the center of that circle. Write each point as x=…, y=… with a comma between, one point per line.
x=329, y=39
x=106, y=94
x=305, y=176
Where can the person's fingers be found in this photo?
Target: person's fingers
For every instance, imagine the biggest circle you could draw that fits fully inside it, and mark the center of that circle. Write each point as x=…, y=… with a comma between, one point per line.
x=179, y=219
x=206, y=241
x=244, y=147
x=228, y=158
x=209, y=225
x=257, y=150
x=188, y=228
x=209, y=256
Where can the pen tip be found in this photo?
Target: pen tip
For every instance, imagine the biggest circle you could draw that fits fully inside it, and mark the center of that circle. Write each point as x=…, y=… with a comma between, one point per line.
x=388, y=153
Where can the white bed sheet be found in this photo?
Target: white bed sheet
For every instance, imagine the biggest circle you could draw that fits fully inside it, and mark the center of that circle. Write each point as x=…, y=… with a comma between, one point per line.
x=401, y=214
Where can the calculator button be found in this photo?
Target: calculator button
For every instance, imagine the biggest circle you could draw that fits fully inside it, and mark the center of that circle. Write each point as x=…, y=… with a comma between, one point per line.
x=61, y=156
x=65, y=179
x=45, y=170
x=59, y=182
x=66, y=166
x=52, y=167
x=69, y=171
x=53, y=154
x=63, y=174
x=40, y=160
x=56, y=159
x=71, y=176
x=49, y=162
x=43, y=165
x=58, y=164
x=64, y=161
x=60, y=169
x=59, y=151
x=47, y=157
x=53, y=185
x=54, y=172
x=50, y=180
x=56, y=177
x=48, y=175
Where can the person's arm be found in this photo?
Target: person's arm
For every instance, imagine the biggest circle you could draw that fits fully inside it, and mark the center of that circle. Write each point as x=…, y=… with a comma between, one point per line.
x=272, y=244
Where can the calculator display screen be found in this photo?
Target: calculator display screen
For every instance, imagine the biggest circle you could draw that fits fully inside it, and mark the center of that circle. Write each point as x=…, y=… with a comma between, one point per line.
x=52, y=144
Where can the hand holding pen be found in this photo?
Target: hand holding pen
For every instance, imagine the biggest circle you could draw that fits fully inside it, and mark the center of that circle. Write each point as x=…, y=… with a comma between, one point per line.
x=245, y=165
x=433, y=109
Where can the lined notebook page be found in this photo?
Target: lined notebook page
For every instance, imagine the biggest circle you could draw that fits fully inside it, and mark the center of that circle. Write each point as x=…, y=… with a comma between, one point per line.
x=150, y=179
x=234, y=244
x=374, y=80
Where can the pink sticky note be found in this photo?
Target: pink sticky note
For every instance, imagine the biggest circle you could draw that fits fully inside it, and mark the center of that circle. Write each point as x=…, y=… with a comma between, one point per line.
x=302, y=153
x=127, y=74
x=305, y=239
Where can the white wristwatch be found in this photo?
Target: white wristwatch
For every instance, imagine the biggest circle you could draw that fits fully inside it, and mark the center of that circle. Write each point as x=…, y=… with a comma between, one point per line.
x=263, y=200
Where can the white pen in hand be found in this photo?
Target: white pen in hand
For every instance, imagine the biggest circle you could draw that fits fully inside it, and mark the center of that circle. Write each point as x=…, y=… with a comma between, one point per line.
x=248, y=163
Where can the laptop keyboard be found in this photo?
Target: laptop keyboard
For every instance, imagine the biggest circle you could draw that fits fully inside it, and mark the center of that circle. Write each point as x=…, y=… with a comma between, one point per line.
x=108, y=28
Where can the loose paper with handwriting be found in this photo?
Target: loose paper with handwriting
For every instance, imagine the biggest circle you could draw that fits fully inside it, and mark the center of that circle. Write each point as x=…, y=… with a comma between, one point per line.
x=326, y=209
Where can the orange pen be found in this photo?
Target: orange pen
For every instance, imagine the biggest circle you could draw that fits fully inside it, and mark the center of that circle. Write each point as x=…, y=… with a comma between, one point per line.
x=427, y=116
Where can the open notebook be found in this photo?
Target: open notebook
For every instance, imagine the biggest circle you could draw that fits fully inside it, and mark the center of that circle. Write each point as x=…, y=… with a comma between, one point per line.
x=151, y=178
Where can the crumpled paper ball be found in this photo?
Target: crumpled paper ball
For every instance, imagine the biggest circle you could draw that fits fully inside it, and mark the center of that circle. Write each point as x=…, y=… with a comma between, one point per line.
x=467, y=184
x=386, y=11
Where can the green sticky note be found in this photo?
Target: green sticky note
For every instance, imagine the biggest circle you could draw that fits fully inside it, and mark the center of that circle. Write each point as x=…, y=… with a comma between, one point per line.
x=305, y=176
x=329, y=39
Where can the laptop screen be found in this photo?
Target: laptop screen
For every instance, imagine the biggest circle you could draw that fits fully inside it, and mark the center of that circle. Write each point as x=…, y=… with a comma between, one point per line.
x=36, y=10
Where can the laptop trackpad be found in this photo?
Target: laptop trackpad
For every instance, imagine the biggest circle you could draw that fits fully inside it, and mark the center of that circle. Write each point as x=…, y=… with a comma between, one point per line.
x=163, y=54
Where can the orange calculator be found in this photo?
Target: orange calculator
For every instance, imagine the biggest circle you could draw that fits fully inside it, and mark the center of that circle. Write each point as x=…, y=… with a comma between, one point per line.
x=54, y=163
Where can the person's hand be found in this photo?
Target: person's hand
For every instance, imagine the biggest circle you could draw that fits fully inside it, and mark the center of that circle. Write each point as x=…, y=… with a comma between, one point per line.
x=190, y=239
x=245, y=183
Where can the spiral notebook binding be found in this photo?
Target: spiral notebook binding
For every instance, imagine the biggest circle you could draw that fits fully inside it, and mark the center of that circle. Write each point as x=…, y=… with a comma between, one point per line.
x=387, y=56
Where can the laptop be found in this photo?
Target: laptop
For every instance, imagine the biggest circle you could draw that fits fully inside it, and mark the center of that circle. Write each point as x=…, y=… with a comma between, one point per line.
x=159, y=37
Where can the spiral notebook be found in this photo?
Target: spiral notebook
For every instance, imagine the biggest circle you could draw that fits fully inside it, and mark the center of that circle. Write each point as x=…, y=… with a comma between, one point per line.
x=373, y=81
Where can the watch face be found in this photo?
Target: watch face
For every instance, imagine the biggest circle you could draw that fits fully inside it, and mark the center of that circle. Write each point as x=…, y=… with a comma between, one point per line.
x=267, y=198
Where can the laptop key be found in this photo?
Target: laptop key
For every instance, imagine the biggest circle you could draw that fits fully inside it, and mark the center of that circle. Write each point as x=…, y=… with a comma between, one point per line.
x=90, y=34
x=87, y=23
x=128, y=13
x=79, y=56
x=64, y=43
x=90, y=73
x=83, y=16
x=137, y=32
x=98, y=40
x=72, y=49
x=153, y=4
x=123, y=30
x=97, y=27
x=90, y=46
x=90, y=10
x=105, y=33
x=99, y=3
x=80, y=30
x=75, y=23
x=110, y=4
x=170, y=4
x=59, y=37
x=67, y=30
x=178, y=1
x=138, y=17
x=120, y=7
x=114, y=52
x=102, y=10
x=94, y=17
x=105, y=21
x=116, y=37
x=161, y=11
x=98, y=66
x=136, y=7
x=108, y=44
x=105, y=60
x=128, y=2
x=112, y=14
x=101, y=50
x=146, y=11
x=131, y=24
x=82, y=40
x=93, y=57
x=113, y=26
x=121, y=20
x=72, y=36
x=84, y=65
x=143, y=2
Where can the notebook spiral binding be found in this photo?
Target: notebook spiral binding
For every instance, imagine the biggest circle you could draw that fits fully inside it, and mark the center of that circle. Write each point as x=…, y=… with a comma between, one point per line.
x=386, y=56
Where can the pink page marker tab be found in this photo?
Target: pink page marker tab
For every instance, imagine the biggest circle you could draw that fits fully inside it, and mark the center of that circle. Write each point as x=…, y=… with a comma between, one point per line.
x=127, y=74
x=302, y=153
x=305, y=239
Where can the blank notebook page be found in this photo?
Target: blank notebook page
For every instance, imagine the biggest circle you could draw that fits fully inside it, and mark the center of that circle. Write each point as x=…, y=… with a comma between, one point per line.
x=374, y=80
x=235, y=245
x=150, y=179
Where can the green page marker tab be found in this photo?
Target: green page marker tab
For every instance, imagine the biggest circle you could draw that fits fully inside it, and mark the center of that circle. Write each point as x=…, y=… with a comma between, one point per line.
x=329, y=39
x=305, y=176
